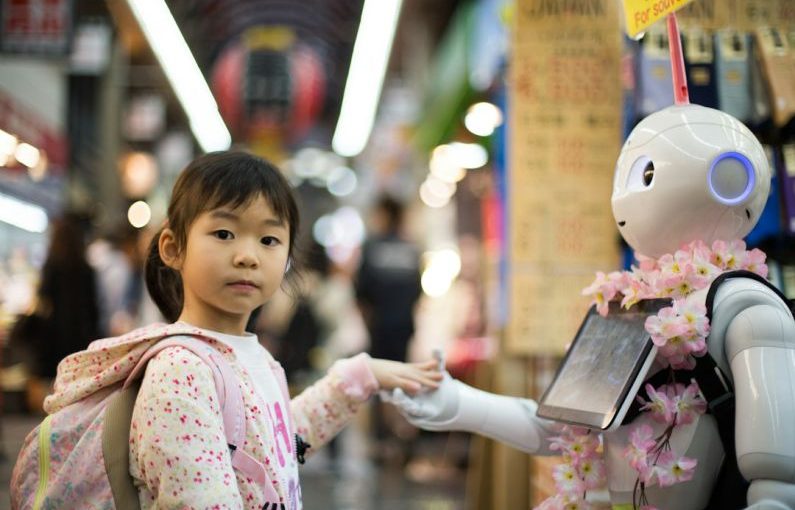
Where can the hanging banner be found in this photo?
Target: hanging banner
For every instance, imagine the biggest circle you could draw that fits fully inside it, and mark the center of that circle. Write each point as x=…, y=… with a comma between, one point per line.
x=565, y=135
x=641, y=14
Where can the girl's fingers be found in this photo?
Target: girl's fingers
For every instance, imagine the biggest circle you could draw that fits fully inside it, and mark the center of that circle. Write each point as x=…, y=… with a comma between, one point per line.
x=426, y=379
x=408, y=385
x=431, y=364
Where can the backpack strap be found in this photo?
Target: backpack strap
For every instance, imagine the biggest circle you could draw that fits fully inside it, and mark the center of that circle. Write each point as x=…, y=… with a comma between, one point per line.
x=229, y=395
x=116, y=432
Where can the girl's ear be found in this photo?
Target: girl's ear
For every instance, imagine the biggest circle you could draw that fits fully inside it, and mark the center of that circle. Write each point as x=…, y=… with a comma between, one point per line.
x=169, y=249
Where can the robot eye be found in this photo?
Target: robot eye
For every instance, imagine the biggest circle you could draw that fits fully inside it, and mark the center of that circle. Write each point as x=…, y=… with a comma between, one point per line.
x=731, y=178
x=641, y=175
x=648, y=173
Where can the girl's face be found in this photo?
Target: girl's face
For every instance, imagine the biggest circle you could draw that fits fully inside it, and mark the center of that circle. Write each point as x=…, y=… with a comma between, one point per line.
x=234, y=260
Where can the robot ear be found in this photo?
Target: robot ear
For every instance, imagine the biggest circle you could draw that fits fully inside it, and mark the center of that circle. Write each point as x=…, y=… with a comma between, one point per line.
x=731, y=178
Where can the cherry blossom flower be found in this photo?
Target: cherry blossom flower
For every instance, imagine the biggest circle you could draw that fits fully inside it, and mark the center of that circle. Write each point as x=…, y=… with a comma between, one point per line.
x=577, y=504
x=637, y=451
x=647, y=264
x=669, y=265
x=718, y=255
x=592, y=472
x=755, y=261
x=552, y=503
x=728, y=256
x=661, y=406
x=689, y=404
x=575, y=443
x=694, y=315
x=671, y=469
x=567, y=480
x=665, y=325
x=602, y=290
x=735, y=255
x=635, y=290
x=560, y=502
x=703, y=267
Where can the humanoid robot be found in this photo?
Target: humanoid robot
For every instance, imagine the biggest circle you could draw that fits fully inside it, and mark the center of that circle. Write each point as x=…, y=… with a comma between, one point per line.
x=685, y=173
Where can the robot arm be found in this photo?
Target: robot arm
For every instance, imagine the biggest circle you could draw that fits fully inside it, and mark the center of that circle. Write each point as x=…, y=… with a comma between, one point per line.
x=759, y=345
x=457, y=406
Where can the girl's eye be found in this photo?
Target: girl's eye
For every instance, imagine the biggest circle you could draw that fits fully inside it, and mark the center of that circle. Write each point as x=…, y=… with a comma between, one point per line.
x=223, y=235
x=270, y=241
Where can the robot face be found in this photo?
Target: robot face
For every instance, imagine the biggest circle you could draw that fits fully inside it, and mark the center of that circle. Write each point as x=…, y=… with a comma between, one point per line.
x=688, y=173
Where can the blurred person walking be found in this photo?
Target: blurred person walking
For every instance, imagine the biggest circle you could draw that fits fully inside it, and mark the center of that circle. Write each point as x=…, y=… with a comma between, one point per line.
x=387, y=288
x=66, y=307
x=118, y=262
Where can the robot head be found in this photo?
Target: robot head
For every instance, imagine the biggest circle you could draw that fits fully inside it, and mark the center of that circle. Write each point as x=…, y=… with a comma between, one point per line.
x=688, y=173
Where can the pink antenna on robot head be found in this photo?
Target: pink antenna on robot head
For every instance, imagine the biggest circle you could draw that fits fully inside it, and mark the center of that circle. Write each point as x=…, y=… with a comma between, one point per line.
x=681, y=95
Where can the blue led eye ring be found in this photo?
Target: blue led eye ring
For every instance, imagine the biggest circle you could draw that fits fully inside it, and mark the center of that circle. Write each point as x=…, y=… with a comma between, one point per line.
x=723, y=178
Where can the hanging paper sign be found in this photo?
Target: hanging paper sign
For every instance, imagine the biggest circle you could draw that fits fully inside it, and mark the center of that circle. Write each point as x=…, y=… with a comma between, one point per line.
x=641, y=14
x=565, y=133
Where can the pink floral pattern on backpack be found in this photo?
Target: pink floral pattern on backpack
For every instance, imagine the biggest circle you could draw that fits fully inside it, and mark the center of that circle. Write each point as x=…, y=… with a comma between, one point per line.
x=88, y=379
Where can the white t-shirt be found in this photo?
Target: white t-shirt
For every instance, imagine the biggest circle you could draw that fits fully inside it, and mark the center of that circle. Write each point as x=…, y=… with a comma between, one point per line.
x=256, y=360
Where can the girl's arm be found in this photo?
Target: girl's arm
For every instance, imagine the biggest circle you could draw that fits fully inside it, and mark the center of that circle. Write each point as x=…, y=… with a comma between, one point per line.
x=323, y=409
x=177, y=443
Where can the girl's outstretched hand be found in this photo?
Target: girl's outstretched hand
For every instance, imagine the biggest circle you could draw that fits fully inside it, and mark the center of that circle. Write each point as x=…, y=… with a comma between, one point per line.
x=410, y=377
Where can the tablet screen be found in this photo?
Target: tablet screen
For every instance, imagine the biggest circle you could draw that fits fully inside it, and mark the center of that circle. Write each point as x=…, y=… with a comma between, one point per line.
x=601, y=366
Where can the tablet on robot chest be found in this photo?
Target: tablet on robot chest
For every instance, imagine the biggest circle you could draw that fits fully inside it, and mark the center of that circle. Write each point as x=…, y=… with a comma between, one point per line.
x=604, y=368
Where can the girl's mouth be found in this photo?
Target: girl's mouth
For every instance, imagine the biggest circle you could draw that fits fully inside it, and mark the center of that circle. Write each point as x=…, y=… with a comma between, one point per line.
x=244, y=285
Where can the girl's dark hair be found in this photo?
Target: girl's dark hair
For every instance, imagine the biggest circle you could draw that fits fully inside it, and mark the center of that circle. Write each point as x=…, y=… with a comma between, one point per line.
x=210, y=181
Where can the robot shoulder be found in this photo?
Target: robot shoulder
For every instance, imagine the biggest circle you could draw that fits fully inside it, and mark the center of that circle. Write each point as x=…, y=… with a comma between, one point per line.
x=757, y=313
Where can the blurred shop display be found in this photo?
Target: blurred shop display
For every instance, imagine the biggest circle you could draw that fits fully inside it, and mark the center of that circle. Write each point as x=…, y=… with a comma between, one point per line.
x=739, y=58
x=36, y=26
x=29, y=143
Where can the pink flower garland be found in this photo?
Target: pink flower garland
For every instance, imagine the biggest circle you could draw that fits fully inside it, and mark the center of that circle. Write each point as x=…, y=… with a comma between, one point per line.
x=680, y=333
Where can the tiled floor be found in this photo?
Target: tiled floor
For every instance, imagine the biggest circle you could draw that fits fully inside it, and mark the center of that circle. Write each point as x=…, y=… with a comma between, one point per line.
x=352, y=483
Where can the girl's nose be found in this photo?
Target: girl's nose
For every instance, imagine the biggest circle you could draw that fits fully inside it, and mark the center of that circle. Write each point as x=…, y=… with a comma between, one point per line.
x=245, y=257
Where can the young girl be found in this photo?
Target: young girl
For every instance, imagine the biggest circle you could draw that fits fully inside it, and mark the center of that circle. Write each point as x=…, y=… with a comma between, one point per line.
x=226, y=248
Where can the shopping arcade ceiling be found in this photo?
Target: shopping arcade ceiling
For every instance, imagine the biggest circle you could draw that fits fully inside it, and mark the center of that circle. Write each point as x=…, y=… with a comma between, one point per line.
x=328, y=27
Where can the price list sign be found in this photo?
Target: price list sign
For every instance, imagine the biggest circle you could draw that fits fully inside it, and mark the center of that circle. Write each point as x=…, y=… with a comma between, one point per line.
x=743, y=15
x=565, y=114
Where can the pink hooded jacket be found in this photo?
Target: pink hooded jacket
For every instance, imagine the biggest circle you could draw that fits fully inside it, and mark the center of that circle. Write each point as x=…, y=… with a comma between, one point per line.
x=178, y=453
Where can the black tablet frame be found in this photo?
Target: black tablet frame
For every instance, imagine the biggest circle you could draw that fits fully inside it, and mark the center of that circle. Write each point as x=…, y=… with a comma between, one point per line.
x=612, y=418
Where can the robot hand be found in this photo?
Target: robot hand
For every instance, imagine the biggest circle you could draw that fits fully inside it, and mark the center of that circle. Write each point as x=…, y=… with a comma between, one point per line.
x=429, y=410
x=457, y=406
x=432, y=410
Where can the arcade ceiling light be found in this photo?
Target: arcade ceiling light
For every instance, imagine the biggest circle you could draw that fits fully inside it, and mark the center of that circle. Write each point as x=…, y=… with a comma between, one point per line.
x=366, y=75
x=22, y=214
x=183, y=73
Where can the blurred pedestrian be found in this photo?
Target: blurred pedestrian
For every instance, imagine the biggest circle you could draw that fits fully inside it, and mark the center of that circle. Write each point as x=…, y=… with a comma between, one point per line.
x=66, y=304
x=387, y=289
x=118, y=262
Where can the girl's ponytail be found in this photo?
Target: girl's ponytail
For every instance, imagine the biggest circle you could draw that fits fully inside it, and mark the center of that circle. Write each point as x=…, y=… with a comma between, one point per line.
x=163, y=283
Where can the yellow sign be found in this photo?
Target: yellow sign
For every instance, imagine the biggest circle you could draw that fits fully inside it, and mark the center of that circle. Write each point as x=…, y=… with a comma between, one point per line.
x=641, y=14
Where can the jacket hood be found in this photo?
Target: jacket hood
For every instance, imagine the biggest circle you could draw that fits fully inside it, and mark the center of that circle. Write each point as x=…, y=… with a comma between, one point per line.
x=111, y=360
